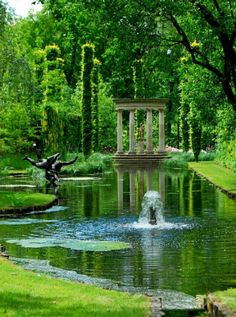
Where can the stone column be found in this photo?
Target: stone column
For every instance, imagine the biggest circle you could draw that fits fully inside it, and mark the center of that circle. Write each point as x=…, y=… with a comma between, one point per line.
x=119, y=132
x=161, y=131
x=149, y=131
x=131, y=132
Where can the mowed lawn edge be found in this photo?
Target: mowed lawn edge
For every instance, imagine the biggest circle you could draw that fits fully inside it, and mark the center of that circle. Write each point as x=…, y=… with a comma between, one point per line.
x=25, y=293
x=20, y=202
x=222, y=177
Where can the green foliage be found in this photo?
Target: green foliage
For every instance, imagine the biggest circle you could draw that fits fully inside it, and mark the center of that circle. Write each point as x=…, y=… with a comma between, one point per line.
x=86, y=74
x=176, y=161
x=72, y=131
x=146, y=50
x=226, y=154
x=108, y=119
x=184, y=124
x=228, y=297
x=96, y=163
x=15, y=129
x=13, y=162
x=53, y=80
x=138, y=79
x=195, y=131
x=52, y=128
x=95, y=105
x=181, y=159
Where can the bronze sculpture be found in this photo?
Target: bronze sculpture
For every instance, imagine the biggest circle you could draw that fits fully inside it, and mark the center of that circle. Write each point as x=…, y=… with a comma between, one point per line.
x=51, y=166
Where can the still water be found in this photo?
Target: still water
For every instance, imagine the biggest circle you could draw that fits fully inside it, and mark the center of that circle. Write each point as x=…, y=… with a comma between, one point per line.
x=192, y=252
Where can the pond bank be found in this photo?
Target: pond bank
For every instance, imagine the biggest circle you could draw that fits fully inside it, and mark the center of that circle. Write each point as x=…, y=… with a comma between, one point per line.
x=14, y=203
x=221, y=177
x=24, y=293
x=222, y=303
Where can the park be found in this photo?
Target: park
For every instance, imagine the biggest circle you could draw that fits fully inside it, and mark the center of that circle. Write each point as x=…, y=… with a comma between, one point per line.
x=118, y=159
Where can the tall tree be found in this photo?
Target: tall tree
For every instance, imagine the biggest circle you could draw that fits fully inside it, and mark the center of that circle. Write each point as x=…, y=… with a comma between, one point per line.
x=207, y=30
x=86, y=78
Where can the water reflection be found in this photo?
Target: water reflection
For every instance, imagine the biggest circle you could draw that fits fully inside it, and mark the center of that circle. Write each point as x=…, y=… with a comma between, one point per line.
x=193, y=254
x=141, y=179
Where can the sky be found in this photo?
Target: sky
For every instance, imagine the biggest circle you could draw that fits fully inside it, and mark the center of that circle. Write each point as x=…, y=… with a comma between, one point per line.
x=22, y=7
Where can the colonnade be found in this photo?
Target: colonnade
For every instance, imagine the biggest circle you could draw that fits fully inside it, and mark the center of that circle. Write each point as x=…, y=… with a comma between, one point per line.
x=134, y=105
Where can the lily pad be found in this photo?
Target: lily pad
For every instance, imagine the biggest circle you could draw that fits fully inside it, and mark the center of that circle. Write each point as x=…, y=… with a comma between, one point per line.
x=49, y=210
x=74, y=244
x=82, y=178
x=17, y=186
x=24, y=221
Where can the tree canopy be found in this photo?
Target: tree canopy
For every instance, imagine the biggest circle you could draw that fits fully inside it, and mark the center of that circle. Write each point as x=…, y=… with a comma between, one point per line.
x=182, y=50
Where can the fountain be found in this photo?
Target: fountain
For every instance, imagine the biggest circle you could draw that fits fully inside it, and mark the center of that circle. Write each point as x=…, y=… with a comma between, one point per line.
x=152, y=209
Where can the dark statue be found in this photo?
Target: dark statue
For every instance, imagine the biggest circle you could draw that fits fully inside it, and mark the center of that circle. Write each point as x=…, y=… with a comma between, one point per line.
x=51, y=165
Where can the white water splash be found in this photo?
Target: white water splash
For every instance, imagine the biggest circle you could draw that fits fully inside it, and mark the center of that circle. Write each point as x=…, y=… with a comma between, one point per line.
x=160, y=226
x=152, y=209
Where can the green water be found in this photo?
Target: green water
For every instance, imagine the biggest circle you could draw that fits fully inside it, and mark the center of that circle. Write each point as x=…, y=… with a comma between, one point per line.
x=192, y=253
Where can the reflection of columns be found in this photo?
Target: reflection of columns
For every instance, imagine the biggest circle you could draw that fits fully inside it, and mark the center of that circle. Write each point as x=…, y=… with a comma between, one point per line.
x=141, y=183
x=162, y=185
x=149, y=179
x=161, y=131
x=119, y=132
x=131, y=132
x=132, y=189
x=149, y=131
x=120, y=175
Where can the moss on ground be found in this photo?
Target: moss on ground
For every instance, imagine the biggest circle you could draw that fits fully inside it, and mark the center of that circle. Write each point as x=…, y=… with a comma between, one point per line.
x=227, y=298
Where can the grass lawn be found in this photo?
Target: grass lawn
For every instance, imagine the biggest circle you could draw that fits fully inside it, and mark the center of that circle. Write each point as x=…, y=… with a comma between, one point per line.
x=24, y=293
x=227, y=298
x=218, y=175
x=18, y=200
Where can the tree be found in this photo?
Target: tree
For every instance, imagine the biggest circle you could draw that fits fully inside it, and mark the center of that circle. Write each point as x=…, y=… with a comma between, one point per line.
x=95, y=105
x=195, y=130
x=86, y=78
x=53, y=85
x=207, y=30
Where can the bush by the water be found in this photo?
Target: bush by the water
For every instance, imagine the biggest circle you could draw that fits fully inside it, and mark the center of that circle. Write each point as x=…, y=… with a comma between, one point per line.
x=181, y=159
x=96, y=163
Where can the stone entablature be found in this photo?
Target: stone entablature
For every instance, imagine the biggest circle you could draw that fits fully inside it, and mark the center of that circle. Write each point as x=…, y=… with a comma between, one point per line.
x=137, y=104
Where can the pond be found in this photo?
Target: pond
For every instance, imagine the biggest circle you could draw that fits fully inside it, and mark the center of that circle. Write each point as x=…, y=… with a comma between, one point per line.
x=192, y=252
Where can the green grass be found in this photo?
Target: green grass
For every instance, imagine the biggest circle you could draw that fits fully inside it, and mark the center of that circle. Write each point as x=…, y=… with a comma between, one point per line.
x=227, y=298
x=24, y=293
x=14, y=200
x=12, y=163
x=218, y=175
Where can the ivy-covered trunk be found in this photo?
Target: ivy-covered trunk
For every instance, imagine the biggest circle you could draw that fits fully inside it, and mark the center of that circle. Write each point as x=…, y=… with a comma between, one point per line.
x=195, y=131
x=95, y=78
x=184, y=125
x=87, y=124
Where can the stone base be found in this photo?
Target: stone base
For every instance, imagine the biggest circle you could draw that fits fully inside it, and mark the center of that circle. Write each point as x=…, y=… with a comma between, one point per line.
x=139, y=158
